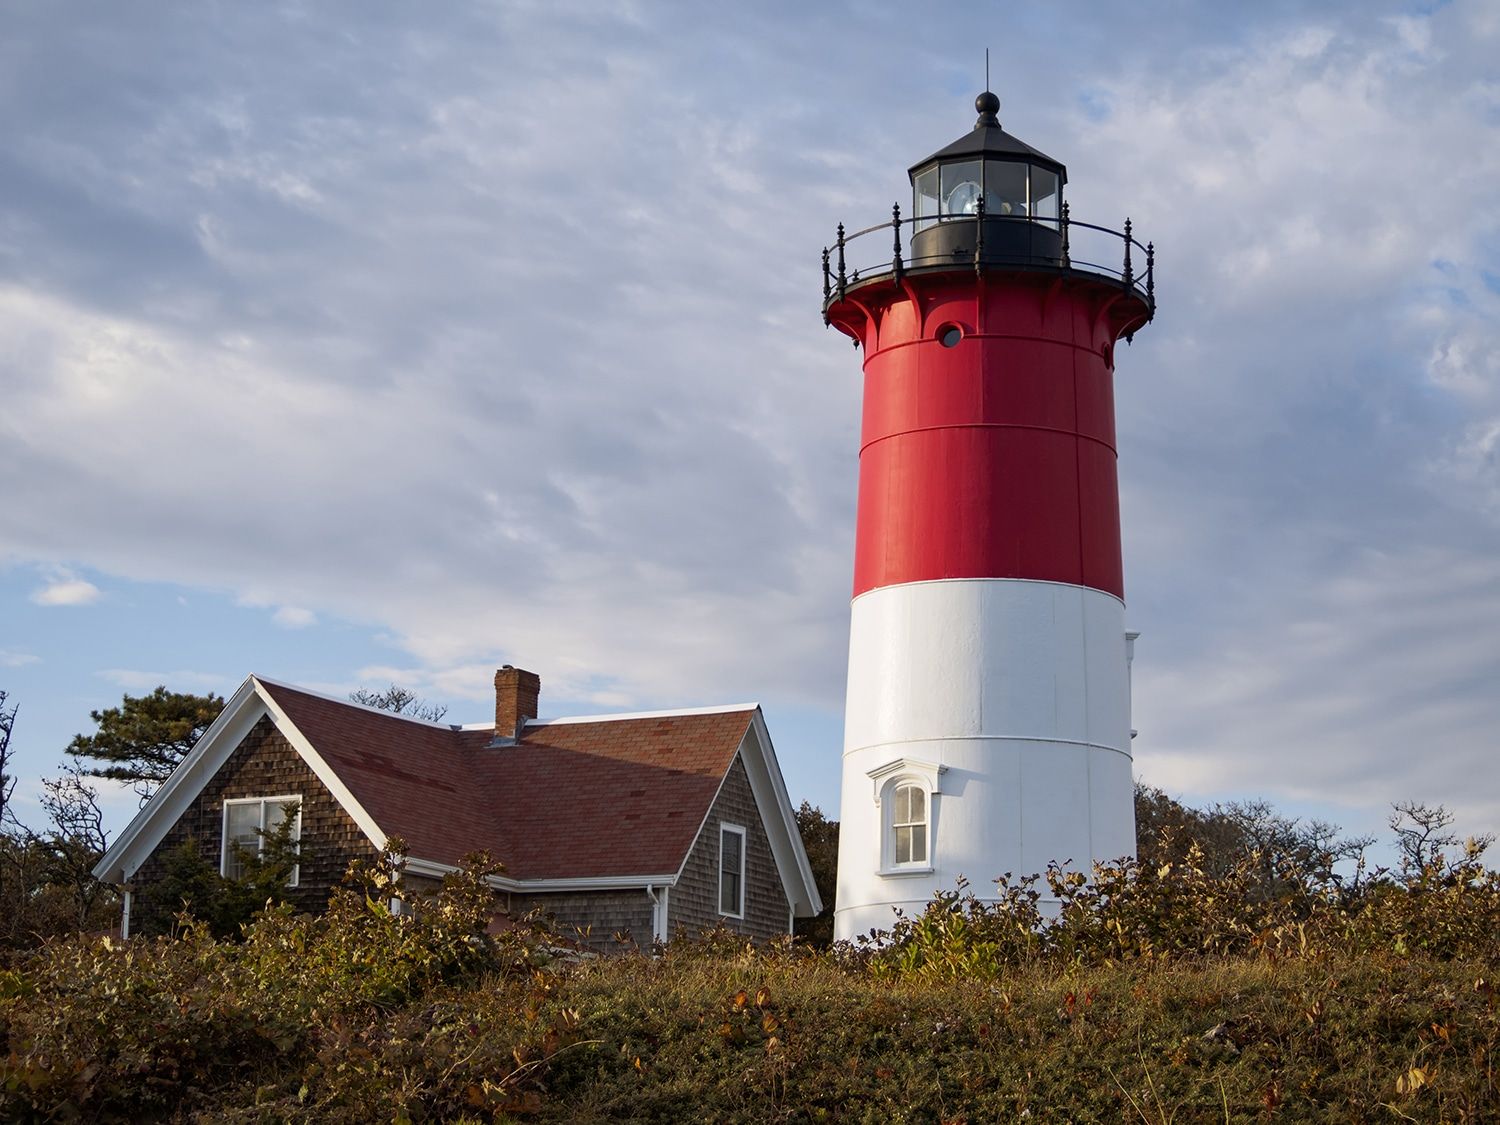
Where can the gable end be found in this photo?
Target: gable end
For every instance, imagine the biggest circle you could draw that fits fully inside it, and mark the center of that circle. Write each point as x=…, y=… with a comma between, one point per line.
x=265, y=764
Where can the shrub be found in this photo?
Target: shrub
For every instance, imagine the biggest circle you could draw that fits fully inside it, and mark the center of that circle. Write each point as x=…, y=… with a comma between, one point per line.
x=104, y=1030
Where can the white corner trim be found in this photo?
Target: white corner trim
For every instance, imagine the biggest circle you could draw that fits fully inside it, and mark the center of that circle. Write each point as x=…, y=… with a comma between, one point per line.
x=780, y=819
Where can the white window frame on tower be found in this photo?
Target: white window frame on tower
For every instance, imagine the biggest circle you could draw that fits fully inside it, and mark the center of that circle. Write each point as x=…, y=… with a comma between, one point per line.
x=925, y=777
x=913, y=828
x=226, y=844
x=733, y=830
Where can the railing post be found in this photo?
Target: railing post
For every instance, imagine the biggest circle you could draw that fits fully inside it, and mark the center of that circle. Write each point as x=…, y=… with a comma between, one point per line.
x=1066, y=260
x=1151, y=271
x=1128, y=275
x=827, y=277
x=896, y=238
x=843, y=281
x=979, y=234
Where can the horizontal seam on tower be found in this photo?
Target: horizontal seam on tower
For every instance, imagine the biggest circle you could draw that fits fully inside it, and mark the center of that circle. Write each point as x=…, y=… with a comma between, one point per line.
x=989, y=426
x=988, y=578
x=984, y=336
x=991, y=738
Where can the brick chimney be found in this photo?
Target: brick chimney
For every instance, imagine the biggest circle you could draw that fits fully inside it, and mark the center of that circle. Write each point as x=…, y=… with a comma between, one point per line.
x=516, y=692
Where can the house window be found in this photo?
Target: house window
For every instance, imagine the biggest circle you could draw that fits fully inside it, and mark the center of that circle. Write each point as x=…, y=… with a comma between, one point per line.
x=732, y=870
x=247, y=823
x=909, y=825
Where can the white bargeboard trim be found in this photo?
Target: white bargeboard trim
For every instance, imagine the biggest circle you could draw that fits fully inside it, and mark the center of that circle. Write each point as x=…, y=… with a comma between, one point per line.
x=247, y=706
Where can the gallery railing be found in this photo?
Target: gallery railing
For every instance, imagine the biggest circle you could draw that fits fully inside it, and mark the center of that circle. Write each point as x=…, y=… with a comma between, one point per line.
x=985, y=240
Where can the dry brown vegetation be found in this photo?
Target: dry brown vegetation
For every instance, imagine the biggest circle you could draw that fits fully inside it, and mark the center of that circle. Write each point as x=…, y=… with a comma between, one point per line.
x=1155, y=993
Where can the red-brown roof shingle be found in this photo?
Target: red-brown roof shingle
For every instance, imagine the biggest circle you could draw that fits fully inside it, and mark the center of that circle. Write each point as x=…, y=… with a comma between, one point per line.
x=574, y=799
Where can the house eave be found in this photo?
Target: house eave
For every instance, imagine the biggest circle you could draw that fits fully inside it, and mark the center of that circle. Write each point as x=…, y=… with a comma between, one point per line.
x=432, y=869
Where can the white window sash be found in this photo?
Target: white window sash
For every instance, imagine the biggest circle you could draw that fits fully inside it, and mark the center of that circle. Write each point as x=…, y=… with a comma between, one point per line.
x=735, y=830
x=226, y=851
x=919, y=828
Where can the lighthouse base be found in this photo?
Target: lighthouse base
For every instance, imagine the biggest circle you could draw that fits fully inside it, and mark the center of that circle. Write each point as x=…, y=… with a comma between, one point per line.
x=1002, y=708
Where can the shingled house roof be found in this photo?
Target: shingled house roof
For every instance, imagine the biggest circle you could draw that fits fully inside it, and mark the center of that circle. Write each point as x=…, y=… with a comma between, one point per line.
x=607, y=801
x=568, y=799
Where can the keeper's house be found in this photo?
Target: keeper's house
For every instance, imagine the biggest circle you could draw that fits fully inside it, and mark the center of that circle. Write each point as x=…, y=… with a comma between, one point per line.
x=655, y=824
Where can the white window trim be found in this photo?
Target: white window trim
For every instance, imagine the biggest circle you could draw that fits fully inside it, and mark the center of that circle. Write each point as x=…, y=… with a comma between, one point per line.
x=739, y=831
x=283, y=799
x=925, y=863
x=888, y=864
x=884, y=779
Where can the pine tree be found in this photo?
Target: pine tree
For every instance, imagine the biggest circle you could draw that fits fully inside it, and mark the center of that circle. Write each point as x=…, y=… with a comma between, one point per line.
x=143, y=739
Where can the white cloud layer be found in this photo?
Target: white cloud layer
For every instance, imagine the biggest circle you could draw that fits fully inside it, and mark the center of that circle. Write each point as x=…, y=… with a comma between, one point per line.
x=498, y=330
x=64, y=589
x=293, y=617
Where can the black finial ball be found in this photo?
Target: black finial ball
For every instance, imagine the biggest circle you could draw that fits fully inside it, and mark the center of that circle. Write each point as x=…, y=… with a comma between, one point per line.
x=987, y=103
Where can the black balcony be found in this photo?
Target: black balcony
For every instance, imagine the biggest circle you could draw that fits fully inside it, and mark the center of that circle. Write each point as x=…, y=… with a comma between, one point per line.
x=886, y=252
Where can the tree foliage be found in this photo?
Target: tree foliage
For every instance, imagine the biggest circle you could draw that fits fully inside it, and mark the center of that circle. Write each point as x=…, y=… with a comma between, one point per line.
x=820, y=837
x=7, y=779
x=1226, y=838
x=400, y=701
x=47, y=886
x=142, y=740
x=190, y=885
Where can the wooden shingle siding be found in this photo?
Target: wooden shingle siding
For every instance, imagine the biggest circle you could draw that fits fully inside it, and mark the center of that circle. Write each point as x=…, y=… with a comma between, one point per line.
x=694, y=904
x=264, y=765
x=593, y=918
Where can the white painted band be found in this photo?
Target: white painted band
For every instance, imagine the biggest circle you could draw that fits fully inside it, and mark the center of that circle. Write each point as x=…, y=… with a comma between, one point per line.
x=1008, y=702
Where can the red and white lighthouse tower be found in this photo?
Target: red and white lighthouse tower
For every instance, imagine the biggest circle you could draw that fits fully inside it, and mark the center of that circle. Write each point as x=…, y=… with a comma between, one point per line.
x=988, y=718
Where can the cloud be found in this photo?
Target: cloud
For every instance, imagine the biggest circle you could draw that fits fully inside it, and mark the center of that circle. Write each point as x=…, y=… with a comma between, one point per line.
x=293, y=617
x=12, y=659
x=66, y=589
x=411, y=353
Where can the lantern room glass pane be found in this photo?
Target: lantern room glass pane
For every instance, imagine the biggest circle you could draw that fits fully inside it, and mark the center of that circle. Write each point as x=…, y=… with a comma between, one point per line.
x=1044, y=194
x=960, y=188
x=925, y=197
x=1005, y=188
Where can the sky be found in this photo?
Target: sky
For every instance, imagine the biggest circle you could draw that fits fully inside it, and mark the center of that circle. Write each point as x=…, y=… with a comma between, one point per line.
x=350, y=343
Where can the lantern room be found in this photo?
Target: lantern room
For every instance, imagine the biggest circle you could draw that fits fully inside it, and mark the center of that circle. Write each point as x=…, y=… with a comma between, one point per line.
x=991, y=178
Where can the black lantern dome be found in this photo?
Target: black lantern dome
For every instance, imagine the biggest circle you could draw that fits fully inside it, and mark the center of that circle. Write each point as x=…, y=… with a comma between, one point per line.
x=987, y=172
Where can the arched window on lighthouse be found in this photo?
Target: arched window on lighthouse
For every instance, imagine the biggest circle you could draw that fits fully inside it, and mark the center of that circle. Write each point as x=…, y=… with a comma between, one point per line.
x=904, y=792
x=909, y=825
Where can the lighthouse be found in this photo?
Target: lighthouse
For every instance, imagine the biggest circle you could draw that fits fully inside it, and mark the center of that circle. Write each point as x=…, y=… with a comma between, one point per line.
x=987, y=727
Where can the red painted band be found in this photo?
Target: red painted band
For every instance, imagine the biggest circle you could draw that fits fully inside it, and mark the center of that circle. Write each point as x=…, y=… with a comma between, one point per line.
x=994, y=458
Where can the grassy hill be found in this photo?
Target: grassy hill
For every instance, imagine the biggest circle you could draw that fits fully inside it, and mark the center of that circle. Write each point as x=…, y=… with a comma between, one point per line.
x=1155, y=995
